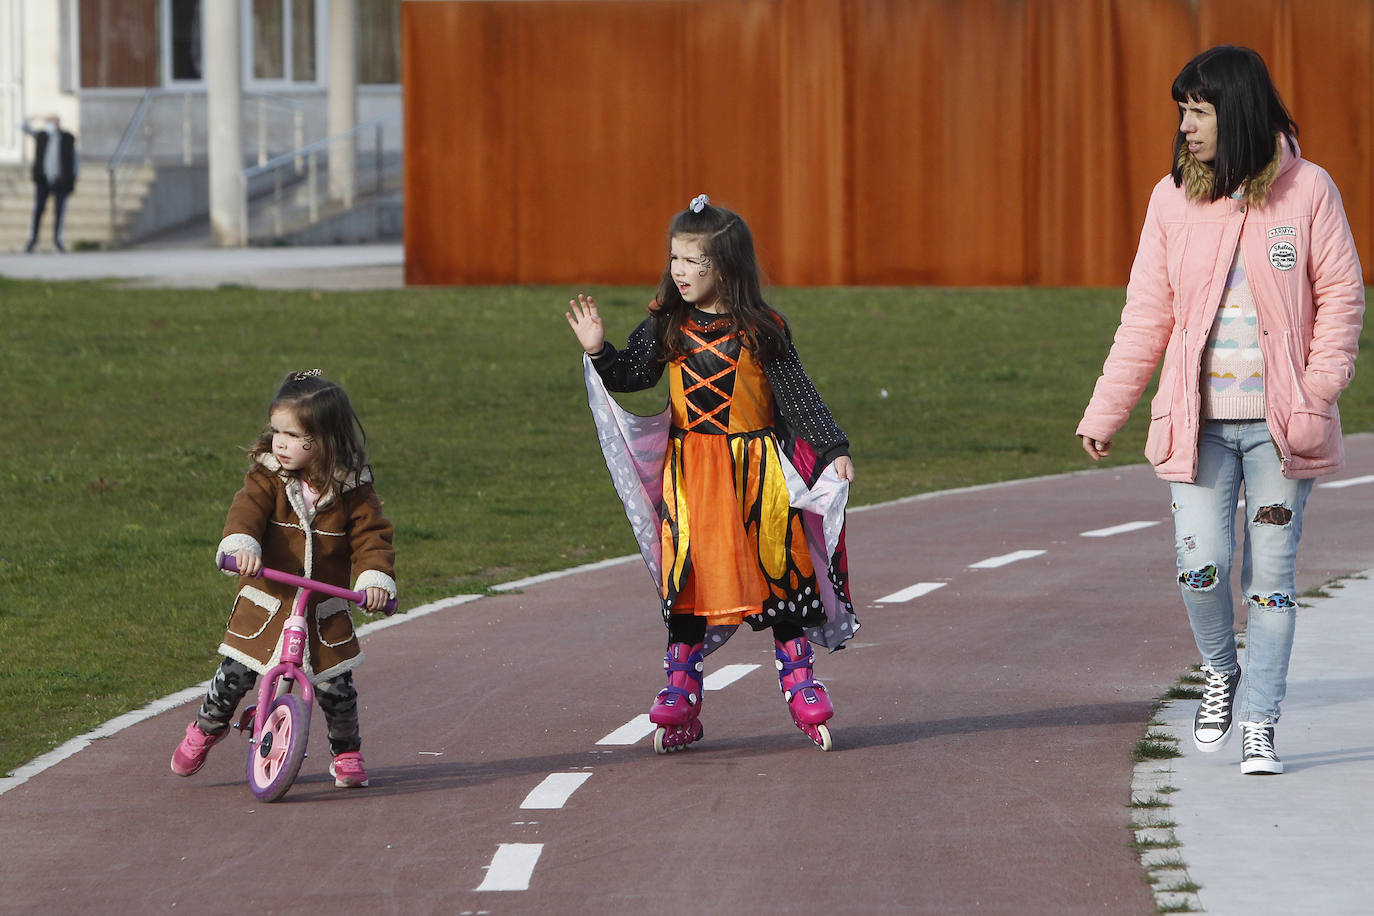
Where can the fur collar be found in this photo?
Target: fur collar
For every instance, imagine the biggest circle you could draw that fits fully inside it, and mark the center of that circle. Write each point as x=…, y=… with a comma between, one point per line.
x=343, y=482
x=1199, y=178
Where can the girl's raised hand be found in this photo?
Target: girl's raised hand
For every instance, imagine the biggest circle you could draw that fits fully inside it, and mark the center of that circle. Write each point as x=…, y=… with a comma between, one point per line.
x=586, y=323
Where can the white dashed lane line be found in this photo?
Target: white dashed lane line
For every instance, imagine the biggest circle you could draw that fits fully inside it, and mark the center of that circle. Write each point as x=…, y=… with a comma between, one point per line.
x=1350, y=482
x=639, y=728
x=511, y=867
x=631, y=732
x=910, y=592
x=1117, y=529
x=1005, y=559
x=554, y=791
x=719, y=680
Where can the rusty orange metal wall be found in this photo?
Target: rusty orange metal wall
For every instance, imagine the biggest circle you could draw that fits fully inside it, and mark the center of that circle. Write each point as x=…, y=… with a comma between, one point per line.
x=953, y=142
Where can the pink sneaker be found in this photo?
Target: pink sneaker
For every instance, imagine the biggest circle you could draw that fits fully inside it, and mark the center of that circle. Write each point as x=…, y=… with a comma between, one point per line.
x=347, y=770
x=194, y=748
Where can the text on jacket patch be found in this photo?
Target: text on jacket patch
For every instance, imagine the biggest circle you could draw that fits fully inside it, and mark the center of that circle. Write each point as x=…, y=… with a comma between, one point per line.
x=1283, y=256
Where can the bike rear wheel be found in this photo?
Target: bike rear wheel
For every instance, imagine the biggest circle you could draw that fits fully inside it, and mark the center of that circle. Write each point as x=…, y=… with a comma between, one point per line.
x=275, y=756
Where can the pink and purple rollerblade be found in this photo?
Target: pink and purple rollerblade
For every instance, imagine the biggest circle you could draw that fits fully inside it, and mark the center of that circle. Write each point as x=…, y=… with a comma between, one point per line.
x=806, y=696
x=677, y=708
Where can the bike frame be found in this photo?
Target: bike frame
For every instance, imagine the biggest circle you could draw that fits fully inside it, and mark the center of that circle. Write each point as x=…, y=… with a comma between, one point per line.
x=290, y=667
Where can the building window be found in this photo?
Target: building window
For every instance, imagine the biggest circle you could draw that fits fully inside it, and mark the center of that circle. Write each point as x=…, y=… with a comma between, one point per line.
x=284, y=41
x=379, y=41
x=303, y=41
x=185, y=40
x=119, y=43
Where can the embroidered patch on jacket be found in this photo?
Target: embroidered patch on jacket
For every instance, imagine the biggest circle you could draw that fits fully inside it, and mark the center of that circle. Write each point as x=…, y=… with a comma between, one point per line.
x=1283, y=230
x=1283, y=255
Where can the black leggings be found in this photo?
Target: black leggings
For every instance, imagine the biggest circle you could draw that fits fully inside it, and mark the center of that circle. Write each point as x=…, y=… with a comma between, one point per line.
x=337, y=698
x=691, y=629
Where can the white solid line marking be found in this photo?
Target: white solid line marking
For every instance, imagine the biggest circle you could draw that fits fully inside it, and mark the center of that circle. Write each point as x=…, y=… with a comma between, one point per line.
x=913, y=591
x=511, y=867
x=639, y=728
x=554, y=791
x=1117, y=529
x=561, y=573
x=1349, y=482
x=1004, y=559
x=719, y=680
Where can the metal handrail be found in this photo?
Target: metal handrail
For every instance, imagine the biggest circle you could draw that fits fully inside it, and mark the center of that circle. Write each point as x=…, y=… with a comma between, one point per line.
x=308, y=156
x=278, y=161
x=122, y=154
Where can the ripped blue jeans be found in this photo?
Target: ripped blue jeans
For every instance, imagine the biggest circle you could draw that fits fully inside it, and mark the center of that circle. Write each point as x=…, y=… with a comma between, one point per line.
x=1230, y=454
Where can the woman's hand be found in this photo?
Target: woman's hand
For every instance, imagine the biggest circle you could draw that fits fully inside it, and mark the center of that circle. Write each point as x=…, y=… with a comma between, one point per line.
x=844, y=467
x=1096, y=450
x=249, y=563
x=586, y=324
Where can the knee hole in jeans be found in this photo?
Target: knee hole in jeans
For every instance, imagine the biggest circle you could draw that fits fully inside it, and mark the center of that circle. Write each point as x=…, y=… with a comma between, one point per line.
x=1203, y=579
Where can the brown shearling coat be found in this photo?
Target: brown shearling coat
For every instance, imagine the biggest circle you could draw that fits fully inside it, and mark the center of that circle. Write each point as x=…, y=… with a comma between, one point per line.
x=344, y=536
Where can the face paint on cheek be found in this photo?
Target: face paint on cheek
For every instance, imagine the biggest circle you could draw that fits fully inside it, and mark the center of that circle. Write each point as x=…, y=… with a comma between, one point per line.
x=307, y=444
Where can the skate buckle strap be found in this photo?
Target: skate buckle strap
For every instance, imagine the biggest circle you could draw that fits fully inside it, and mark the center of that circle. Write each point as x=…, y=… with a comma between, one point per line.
x=814, y=684
x=692, y=667
x=688, y=695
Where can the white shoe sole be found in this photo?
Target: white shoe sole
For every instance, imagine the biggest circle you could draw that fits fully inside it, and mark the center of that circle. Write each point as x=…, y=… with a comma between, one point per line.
x=1209, y=747
x=1261, y=767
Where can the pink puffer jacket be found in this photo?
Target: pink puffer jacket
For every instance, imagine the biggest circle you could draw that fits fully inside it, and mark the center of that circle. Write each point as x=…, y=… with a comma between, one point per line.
x=1305, y=276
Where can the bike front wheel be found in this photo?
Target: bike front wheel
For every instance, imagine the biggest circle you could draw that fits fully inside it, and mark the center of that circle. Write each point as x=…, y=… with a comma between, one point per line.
x=275, y=756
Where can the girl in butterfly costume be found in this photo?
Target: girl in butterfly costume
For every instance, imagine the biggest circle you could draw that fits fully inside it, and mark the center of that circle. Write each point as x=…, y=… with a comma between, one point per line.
x=737, y=491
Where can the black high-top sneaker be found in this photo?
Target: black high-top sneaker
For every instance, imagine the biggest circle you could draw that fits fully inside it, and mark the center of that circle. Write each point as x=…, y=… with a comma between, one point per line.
x=1213, y=723
x=1259, y=758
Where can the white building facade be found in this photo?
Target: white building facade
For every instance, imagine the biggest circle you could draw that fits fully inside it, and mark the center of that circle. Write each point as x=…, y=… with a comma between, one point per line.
x=129, y=79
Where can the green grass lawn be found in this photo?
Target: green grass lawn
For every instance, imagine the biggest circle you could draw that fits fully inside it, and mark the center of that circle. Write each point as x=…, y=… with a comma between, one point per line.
x=126, y=412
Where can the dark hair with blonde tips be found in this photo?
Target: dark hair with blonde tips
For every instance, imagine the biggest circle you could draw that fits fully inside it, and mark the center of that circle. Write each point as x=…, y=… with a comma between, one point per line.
x=1250, y=114
x=727, y=241
x=323, y=409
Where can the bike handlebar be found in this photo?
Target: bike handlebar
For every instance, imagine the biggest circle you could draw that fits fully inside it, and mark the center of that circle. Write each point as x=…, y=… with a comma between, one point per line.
x=229, y=564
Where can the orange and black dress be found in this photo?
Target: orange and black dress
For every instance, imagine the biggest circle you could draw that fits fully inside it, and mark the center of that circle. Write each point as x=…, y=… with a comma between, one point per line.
x=733, y=548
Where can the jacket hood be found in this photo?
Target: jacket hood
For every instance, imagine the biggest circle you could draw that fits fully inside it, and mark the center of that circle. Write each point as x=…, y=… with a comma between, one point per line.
x=1199, y=178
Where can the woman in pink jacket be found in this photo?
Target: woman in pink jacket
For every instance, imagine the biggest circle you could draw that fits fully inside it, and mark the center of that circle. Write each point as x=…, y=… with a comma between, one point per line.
x=1247, y=282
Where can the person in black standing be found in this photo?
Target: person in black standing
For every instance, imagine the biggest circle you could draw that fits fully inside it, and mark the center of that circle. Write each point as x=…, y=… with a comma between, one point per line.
x=55, y=167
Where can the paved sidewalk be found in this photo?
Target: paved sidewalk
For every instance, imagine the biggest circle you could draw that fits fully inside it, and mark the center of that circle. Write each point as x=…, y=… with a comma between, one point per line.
x=319, y=267
x=1301, y=842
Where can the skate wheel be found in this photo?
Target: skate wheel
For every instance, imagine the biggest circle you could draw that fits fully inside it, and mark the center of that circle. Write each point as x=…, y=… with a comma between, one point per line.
x=823, y=737
x=659, y=734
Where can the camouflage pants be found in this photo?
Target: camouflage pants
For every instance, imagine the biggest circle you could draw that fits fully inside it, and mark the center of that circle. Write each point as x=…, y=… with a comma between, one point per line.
x=337, y=698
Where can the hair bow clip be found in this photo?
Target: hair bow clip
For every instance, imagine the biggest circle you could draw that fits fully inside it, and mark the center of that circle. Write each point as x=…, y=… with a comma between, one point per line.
x=698, y=203
x=308, y=373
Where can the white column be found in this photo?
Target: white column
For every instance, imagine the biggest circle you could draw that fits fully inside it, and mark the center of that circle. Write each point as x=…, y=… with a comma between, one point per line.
x=224, y=87
x=343, y=96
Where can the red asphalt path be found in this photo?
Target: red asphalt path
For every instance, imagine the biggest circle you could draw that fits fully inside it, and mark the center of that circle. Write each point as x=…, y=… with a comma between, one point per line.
x=982, y=763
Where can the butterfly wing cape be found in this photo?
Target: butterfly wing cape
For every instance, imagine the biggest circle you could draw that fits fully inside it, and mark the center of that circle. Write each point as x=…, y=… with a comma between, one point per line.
x=635, y=448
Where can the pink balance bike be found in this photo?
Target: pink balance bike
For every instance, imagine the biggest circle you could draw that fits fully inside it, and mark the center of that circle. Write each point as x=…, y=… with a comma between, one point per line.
x=280, y=719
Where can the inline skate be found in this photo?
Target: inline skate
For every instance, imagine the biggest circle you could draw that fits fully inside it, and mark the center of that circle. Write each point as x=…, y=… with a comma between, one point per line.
x=677, y=707
x=806, y=697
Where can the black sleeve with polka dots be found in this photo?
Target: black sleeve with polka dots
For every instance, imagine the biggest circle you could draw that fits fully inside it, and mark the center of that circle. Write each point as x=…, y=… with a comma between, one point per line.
x=801, y=406
x=636, y=367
